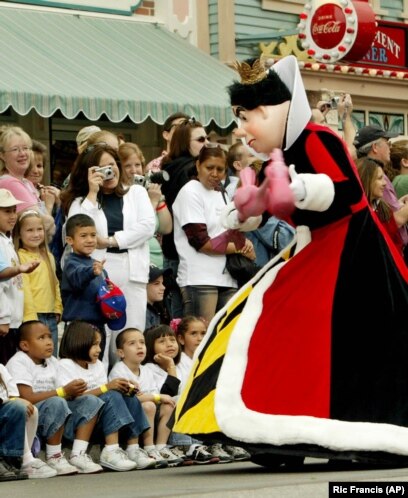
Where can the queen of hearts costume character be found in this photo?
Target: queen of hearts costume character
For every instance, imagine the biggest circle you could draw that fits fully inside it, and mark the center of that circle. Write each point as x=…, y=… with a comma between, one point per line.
x=310, y=357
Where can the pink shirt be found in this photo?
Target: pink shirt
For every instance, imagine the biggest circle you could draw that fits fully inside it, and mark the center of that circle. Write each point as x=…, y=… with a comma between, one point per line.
x=155, y=164
x=23, y=190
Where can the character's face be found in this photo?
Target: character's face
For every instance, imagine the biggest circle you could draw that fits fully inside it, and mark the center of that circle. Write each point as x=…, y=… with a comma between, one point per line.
x=263, y=128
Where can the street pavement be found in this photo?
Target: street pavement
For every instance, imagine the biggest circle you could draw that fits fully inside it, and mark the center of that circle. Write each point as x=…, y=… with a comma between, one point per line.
x=233, y=480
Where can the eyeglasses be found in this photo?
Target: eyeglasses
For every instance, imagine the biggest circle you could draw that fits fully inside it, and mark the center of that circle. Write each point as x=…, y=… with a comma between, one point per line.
x=200, y=139
x=90, y=148
x=17, y=150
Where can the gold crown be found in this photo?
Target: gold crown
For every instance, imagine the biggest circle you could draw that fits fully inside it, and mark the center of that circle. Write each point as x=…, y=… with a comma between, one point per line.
x=251, y=74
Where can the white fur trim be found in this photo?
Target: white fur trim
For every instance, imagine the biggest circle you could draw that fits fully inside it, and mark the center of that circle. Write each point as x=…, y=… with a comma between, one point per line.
x=319, y=192
x=242, y=424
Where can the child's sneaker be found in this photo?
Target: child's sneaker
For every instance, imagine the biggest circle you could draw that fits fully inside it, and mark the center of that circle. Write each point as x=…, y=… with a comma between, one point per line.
x=161, y=463
x=116, y=460
x=37, y=469
x=84, y=464
x=237, y=453
x=187, y=460
x=217, y=450
x=59, y=463
x=200, y=455
x=172, y=459
x=142, y=459
x=10, y=473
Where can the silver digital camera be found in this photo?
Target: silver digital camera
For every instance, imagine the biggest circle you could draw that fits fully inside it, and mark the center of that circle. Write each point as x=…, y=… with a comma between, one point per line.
x=107, y=172
x=152, y=177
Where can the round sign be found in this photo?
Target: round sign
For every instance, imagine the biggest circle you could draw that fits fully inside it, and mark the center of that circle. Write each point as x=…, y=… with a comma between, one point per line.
x=331, y=30
x=328, y=26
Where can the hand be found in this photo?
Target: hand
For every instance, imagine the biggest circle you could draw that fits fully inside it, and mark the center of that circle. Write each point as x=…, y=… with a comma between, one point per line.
x=155, y=194
x=297, y=186
x=165, y=362
x=248, y=250
x=121, y=385
x=57, y=317
x=29, y=406
x=4, y=329
x=324, y=106
x=28, y=267
x=98, y=266
x=95, y=179
x=345, y=105
x=75, y=388
x=165, y=399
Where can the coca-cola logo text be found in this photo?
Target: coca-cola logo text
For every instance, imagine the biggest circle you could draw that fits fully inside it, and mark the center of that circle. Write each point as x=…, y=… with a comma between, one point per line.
x=328, y=26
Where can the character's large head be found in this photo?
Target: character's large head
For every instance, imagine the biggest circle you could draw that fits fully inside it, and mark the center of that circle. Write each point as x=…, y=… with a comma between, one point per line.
x=271, y=104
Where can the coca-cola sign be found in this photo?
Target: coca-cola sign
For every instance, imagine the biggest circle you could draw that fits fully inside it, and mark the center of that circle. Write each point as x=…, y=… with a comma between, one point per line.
x=338, y=29
x=328, y=26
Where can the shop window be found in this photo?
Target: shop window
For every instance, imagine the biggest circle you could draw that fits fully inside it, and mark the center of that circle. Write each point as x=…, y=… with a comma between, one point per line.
x=389, y=122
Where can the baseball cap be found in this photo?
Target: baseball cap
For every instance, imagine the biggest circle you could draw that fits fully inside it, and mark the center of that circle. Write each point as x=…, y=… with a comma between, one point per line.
x=369, y=134
x=113, y=304
x=7, y=199
x=155, y=272
x=85, y=133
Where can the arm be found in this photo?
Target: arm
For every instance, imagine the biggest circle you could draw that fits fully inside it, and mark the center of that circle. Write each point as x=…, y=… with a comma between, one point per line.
x=79, y=276
x=13, y=271
x=159, y=205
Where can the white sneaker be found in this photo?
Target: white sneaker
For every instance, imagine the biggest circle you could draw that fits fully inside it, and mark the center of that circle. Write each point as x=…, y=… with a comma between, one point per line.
x=161, y=463
x=142, y=459
x=84, y=463
x=218, y=451
x=37, y=469
x=238, y=454
x=61, y=465
x=116, y=460
x=172, y=459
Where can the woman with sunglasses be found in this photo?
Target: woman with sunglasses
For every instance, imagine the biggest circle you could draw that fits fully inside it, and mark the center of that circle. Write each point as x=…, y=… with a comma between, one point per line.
x=188, y=139
x=201, y=240
x=124, y=220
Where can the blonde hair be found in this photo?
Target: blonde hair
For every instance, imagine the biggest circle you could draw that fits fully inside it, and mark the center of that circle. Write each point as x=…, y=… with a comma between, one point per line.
x=127, y=149
x=99, y=137
x=44, y=251
x=6, y=133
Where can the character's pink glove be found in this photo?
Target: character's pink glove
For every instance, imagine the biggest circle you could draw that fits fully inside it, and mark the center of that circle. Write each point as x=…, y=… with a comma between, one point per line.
x=281, y=201
x=220, y=242
x=249, y=199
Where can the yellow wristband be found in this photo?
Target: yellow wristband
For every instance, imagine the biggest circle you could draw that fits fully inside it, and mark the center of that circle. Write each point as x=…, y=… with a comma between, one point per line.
x=157, y=398
x=12, y=399
x=104, y=389
x=61, y=392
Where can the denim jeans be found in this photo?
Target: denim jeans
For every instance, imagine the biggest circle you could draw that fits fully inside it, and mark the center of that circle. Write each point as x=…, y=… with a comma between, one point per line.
x=50, y=320
x=52, y=415
x=205, y=300
x=83, y=408
x=121, y=413
x=12, y=428
x=173, y=298
x=179, y=439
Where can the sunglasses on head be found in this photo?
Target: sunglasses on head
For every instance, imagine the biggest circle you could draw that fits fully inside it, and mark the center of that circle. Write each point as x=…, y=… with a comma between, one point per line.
x=90, y=148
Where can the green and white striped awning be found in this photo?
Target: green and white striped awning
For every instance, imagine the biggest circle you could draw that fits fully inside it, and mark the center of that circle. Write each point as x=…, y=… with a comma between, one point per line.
x=96, y=65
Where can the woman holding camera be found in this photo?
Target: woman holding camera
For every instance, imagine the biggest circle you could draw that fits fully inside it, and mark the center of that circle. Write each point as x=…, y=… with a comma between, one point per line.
x=133, y=164
x=124, y=220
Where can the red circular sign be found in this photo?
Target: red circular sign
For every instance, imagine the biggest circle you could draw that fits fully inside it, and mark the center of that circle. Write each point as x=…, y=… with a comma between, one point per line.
x=328, y=26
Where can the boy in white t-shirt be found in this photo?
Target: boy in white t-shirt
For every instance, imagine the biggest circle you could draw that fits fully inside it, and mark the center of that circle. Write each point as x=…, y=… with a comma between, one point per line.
x=34, y=370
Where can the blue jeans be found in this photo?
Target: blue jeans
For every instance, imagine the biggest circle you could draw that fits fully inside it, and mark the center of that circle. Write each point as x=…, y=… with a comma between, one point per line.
x=83, y=408
x=179, y=439
x=12, y=428
x=50, y=320
x=52, y=415
x=173, y=299
x=205, y=300
x=121, y=413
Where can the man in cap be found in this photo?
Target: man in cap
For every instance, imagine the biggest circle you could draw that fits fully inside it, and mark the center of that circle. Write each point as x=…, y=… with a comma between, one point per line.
x=374, y=142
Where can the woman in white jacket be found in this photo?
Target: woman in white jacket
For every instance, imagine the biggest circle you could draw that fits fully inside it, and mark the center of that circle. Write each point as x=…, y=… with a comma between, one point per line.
x=124, y=220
